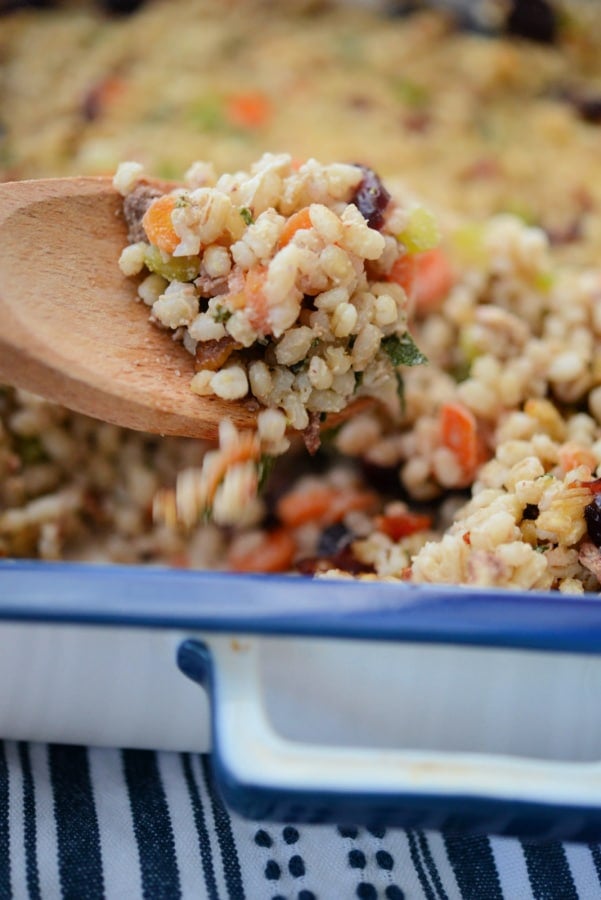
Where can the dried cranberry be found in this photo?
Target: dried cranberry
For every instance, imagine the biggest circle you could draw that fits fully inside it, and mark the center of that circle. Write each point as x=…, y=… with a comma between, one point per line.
x=535, y=20
x=589, y=109
x=371, y=198
x=592, y=514
x=121, y=7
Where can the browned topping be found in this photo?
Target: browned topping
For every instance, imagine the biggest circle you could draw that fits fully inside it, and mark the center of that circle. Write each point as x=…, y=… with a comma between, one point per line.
x=312, y=433
x=213, y=355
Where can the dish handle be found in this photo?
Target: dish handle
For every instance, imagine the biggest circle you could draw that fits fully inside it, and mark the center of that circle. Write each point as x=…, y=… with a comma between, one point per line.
x=265, y=776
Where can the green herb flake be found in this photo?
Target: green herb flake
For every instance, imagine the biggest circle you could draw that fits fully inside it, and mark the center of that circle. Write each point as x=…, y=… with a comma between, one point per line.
x=400, y=389
x=403, y=351
x=266, y=464
x=411, y=93
x=221, y=314
x=247, y=215
x=31, y=450
x=207, y=115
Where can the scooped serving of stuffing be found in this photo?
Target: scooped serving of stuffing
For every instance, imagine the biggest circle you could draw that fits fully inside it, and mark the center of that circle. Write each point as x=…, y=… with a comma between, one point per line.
x=288, y=283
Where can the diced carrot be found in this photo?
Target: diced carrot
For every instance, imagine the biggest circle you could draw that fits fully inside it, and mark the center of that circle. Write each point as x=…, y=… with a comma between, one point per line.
x=458, y=430
x=425, y=277
x=403, y=272
x=571, y=455
x=298, y=221
x=349, y=501
x=434, y=279
x=246, y=448
x=157, y=223
x=249, y=109
x=274, y=553
x=324, y=505
x=255, y=299
x=402, y=525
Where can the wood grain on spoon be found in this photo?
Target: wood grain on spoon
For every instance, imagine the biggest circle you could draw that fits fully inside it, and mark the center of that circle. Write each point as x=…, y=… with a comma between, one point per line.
x=71, y=331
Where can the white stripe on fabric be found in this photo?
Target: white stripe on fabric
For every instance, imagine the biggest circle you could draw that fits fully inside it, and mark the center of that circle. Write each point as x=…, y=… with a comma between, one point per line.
x=443, y=867
x=16, y=821
x=117, y=839
x=216, y=855
x=513, y=872
x=583, y=871
x=182, y=821
x=47, y=844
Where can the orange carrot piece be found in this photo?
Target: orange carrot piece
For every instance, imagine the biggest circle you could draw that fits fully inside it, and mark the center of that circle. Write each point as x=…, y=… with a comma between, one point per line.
x=403, y=272
x=571, y=455
x=273, y=554
x=255, y=299
x=247, y=448
x=425, y=277
x=459, y=433
x=157, y=223
x=323, y=504
x=297, y=222
x=401, y=525
x=434, y=279
x=349, y=501
x=249, y=109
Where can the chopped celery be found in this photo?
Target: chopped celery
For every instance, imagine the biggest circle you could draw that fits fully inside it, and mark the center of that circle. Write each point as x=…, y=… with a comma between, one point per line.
x=175, y=268
x=208, y=115
x=544, y=281
x=421, y=232
x=411, y=93
x=469, y=246
x=516, y=207
x=468, y=345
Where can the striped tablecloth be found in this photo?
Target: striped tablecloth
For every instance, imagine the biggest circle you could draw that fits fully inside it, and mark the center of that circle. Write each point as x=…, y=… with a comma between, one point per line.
x=86, y=823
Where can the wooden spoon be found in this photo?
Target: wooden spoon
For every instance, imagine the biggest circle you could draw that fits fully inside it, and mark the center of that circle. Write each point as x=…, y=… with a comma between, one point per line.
x=70, y=330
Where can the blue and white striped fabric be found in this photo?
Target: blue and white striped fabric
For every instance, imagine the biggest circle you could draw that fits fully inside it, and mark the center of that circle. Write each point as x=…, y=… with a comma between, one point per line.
x=83, y=824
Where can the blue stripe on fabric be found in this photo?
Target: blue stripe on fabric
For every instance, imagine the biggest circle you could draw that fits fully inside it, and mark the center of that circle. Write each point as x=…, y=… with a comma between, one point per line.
x=225, y=838
x=152, y=826
x=549, y=871
x=474, y=867
x=32, y=874
x=419, y=869
x=5, y=887
x=424, y=847
x=78, y=837
x=204, y=843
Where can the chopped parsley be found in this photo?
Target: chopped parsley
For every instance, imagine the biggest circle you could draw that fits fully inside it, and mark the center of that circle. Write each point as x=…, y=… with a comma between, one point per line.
x=266, y=464
x=31, y=450
x=221, y=314
x=403, y=351
x=247, y=215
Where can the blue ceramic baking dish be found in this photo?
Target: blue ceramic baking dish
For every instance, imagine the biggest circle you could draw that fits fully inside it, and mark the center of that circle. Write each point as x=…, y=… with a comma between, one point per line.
x=321, y=700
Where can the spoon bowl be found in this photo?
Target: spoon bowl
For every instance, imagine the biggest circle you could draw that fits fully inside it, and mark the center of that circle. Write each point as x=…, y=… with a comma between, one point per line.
x=71, y=329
